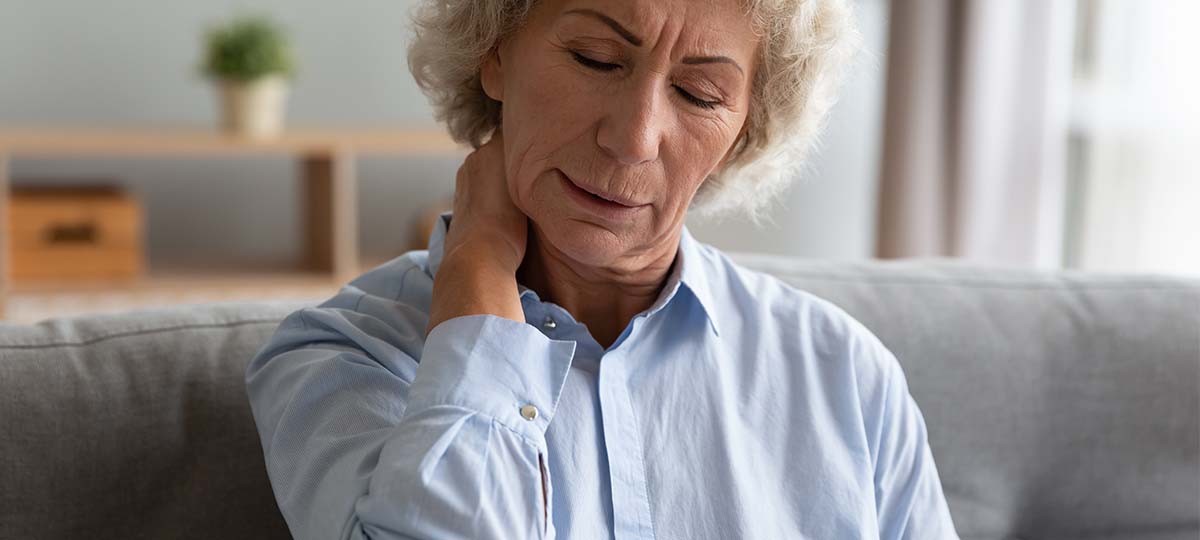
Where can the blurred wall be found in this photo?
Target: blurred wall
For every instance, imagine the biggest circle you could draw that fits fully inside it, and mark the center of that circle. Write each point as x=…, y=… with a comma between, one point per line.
x=829, y=212
x=133, y=63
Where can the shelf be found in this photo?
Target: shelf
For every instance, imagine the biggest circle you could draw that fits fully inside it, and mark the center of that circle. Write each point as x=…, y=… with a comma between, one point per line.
x=166, y=285
x=327, y=159
x=29, y=302
x=48, y=142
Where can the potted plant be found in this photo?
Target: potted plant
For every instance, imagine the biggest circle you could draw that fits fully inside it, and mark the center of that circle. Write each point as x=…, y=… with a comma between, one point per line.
x=251, y=61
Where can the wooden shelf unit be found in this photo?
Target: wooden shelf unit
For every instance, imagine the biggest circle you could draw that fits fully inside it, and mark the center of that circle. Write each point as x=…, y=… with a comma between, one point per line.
x=327, y=172
x=33, y=301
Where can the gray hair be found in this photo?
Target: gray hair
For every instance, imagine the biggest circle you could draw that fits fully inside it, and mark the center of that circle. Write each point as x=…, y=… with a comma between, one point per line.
x=805, y=50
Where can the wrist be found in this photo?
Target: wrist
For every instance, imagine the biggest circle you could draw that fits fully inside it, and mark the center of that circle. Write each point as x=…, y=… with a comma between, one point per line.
x=490, y=253
x=471, y=284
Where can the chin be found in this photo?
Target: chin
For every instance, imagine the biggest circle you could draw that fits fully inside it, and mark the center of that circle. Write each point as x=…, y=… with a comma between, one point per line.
x=583, y=242
x=581, y=233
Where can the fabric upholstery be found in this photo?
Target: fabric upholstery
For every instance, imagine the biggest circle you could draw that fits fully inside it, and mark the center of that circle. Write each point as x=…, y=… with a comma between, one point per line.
x=134, y=426
x=1059, y=405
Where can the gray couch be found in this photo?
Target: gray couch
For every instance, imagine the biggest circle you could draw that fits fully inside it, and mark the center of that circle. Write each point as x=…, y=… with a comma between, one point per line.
x=1059, y=405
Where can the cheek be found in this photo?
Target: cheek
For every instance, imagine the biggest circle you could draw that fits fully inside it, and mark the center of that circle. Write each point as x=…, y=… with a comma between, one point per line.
x=548, y=104
x=694, y=152
x=544, y=111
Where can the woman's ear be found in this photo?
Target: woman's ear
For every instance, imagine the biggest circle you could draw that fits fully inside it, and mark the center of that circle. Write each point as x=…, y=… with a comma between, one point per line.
x=491, y=75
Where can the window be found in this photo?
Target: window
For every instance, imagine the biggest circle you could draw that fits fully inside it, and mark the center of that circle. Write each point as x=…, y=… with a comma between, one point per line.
x=1134, y=150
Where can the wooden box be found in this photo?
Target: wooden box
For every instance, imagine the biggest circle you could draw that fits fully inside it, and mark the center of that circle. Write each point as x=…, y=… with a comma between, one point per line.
x=76, y=233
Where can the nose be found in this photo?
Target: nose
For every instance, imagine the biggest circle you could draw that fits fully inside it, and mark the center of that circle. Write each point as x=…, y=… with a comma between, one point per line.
x=632, y=131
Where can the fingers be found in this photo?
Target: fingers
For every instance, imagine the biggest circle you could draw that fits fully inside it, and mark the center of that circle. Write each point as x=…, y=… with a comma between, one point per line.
x=481, y=187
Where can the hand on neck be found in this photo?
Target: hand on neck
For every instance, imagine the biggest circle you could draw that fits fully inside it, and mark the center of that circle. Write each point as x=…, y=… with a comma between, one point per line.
x=605, y=299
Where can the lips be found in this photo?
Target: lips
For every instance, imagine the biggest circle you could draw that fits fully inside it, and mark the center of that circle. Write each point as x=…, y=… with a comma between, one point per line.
x=614, y=198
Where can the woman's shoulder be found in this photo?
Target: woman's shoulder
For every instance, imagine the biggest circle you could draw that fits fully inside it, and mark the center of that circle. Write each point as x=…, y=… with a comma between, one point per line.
x=405, y=279
x=812, y=338
x=747, y=285
x=761, y=300
x=383, y=310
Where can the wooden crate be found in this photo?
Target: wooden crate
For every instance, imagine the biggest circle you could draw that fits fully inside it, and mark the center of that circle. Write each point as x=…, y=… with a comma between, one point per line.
x=73, y=234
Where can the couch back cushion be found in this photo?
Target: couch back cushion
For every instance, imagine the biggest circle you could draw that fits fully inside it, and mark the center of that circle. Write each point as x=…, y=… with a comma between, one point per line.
x=1058, y=405
x=134, y=426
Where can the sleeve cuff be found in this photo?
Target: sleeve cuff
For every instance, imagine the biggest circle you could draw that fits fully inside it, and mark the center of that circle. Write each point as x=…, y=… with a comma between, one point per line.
x=493, y=365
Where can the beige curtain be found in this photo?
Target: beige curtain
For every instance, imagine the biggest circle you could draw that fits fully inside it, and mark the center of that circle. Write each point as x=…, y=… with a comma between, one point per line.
x=975, y=130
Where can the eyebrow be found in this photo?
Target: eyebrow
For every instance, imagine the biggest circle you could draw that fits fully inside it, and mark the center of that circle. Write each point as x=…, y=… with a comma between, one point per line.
x=692, y=60
x=637, y=41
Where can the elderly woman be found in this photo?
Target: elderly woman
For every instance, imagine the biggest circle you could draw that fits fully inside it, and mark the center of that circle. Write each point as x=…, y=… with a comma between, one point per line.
x=565, y=359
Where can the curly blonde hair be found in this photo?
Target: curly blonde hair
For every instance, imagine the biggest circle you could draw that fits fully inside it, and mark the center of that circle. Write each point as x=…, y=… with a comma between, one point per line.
x=805, y=49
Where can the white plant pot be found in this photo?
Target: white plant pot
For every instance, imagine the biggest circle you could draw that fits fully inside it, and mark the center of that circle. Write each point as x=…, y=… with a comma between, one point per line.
x=255, y=108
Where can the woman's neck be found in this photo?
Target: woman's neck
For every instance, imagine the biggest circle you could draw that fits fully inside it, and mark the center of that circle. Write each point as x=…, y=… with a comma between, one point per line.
x=604, y=299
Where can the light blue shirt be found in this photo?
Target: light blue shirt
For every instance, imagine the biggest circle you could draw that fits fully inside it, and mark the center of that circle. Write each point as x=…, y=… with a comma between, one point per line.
x=734, y=407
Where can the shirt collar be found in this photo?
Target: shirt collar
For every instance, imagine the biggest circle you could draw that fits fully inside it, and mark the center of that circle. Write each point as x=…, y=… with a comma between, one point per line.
x=689, y=270
x=696, y=277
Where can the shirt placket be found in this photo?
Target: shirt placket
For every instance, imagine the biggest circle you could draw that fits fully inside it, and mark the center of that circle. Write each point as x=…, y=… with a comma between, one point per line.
x=627, y=471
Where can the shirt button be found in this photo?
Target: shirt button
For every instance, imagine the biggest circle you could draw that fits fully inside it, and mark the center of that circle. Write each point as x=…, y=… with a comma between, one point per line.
x=549, y=324
x=529, y=412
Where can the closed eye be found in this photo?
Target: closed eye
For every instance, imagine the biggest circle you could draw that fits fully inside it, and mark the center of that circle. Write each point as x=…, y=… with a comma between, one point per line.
x=695, y=100
x=594, y=64
x=605, y=66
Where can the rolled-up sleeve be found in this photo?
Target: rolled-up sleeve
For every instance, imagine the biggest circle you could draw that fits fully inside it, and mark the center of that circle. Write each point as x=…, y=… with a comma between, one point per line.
x=362, y=440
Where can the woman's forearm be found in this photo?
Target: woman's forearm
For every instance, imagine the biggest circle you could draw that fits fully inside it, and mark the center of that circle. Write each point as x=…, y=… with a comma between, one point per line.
x=470, y=282
x=362, y=440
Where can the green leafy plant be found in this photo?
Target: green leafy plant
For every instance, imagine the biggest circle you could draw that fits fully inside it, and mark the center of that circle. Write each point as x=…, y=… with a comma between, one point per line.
x=248, y=48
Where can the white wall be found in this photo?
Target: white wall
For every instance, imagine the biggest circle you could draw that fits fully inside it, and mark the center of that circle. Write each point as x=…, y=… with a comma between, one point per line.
x=132, y=63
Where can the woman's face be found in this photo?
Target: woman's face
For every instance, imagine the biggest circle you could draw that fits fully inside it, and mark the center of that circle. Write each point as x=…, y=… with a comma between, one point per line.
x=614, y=112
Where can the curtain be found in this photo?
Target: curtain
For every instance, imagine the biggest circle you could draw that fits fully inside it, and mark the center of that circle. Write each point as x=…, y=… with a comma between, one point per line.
x=975, y=130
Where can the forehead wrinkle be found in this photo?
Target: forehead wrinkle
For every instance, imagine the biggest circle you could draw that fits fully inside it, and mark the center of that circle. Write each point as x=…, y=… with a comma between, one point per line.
x=664, y=23
x=704, y=37
x=615, y=25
